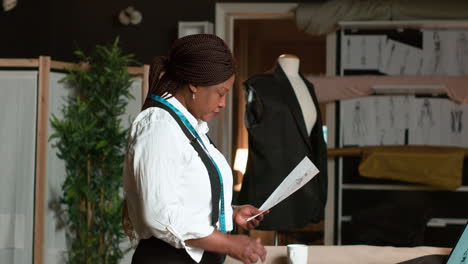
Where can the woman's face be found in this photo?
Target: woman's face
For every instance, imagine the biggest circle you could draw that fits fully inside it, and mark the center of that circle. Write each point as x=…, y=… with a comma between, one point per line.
x=210, y=100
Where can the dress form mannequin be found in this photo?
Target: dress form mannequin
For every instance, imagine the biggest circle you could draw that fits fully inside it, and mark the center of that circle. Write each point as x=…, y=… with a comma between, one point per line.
x=290, y=65
x=284, y=125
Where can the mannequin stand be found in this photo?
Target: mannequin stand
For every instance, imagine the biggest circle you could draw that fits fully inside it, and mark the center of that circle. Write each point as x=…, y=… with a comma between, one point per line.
x=276, y=238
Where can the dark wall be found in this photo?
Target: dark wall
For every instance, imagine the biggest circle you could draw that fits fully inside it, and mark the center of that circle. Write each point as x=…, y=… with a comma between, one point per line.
x=24, y=31
x=56, y=28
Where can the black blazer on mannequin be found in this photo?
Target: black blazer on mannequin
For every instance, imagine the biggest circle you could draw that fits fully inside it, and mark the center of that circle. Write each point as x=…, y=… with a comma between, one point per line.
x=278, y=141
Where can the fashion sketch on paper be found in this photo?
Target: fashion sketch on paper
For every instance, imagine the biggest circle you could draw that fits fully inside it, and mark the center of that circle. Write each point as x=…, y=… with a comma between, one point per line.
x=363, y=52
x=426, y=120
x=435, y=64
x=456, y=116
x=461, y=53
x=359, y=121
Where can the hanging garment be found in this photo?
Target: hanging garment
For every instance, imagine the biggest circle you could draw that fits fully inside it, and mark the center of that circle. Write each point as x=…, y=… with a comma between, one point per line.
x=278, y=141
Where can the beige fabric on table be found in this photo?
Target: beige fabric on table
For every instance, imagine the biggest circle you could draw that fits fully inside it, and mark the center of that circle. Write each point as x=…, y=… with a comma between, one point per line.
x=358, y=254
x=322, y=18
x=330, y=89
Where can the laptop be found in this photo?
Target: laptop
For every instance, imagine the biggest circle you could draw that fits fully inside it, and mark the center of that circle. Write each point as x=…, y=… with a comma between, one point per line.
x=458, y=255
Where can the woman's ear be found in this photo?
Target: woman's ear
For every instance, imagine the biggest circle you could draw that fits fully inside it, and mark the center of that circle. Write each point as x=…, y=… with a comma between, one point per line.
x=193, y=88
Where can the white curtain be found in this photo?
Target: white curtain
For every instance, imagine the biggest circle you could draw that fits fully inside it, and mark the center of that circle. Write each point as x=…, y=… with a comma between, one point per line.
x=55, y=241
x=18, y=91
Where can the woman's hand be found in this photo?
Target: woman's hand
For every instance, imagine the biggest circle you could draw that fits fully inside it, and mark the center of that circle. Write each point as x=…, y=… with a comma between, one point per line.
x=243, y=212
x=240, y=247
x=246, y=249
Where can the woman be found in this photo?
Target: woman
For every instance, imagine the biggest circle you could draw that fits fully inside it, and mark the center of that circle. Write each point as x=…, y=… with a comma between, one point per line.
x=178, y=186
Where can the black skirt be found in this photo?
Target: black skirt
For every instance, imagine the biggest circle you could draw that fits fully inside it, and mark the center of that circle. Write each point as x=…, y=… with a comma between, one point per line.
x=156, y=251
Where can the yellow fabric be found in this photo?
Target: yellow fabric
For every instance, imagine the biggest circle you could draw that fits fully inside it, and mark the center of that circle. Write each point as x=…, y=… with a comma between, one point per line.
x=437, y=166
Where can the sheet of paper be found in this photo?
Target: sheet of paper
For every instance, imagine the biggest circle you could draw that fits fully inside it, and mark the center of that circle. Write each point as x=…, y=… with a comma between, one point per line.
x=399, y=59
x=425, y=124
x=390, y=119
x=445, y=52
x=359, y=121
x=362, y=51
x=435, y=52
x=461, y=52
x=456, y=52
x=453, y=119
x=413, y=61
x=300, y=175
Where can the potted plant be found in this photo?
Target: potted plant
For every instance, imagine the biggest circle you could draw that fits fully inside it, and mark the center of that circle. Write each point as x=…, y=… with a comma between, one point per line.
x=91, y=140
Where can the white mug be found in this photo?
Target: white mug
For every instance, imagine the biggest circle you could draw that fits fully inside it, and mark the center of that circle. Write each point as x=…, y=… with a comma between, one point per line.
x=297, y=254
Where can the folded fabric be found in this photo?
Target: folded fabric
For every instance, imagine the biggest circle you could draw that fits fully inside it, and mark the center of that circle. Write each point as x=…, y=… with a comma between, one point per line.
x=441, y=167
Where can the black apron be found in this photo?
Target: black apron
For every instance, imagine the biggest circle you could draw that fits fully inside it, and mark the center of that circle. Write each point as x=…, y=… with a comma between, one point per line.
x=155, y=251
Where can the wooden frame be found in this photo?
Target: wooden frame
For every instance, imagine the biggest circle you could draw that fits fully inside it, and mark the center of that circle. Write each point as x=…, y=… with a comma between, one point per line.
x=226, y=14
x=41, y=159
x=45, y=65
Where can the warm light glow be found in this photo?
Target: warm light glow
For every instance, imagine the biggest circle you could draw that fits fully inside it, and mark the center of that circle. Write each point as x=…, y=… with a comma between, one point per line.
x=240, y=161
x=237, y=187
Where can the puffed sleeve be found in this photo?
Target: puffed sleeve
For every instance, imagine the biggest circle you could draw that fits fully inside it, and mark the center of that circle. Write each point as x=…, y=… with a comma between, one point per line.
x=159, y=160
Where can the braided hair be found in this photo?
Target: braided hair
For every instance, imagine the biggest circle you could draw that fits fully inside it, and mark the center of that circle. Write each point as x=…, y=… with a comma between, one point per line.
x=200, y=59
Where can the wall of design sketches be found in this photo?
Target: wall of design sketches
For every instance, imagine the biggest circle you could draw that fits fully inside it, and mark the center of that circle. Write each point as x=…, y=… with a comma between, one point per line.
x=400, y=120
x=404, y=119
x=442, y=52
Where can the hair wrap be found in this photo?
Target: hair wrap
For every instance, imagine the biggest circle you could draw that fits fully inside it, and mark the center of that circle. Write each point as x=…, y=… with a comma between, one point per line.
x=200, y=59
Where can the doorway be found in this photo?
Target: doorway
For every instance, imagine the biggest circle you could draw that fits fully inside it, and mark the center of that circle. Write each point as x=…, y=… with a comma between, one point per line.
x=257, y=43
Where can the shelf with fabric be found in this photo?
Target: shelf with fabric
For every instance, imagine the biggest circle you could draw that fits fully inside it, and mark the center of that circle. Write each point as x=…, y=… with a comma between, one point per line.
x=408, y=180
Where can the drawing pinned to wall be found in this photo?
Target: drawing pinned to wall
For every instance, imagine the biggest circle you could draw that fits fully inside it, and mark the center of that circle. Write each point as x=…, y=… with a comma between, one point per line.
x=360, y=126
x=456, y=52
x=461, y=52
x=384, y=120
x=413, y=61
x=382, y=117
x=362, y=51
x=400, y=59
x=390, y=119
x=435, y=50
x=454, y=122
x=425, y=126
x=359, y=121
x=402, y=116
x=388, y=56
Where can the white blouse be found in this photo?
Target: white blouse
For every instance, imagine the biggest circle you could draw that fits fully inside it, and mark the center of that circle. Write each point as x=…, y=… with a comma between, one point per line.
x=166, y=184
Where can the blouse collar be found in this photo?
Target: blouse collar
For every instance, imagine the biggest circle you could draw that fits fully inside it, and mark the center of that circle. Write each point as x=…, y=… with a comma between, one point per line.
x=200, y=126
